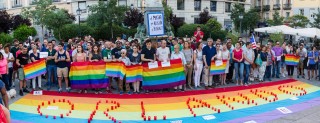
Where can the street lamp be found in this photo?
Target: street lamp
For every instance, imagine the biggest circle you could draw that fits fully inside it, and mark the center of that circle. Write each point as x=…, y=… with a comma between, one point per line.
x=79, y=13
x=240, y=17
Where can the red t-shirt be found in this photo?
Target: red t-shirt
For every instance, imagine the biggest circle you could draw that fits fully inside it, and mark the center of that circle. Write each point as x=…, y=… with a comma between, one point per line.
x=198, y=36
x=237, y=54
x=3, y=118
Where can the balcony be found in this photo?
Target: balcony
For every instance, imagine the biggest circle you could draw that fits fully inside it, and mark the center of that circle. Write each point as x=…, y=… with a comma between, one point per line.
x=16, y=5
x=276, y=7
x=257, y=8
x=287, y=6
x=266, y=8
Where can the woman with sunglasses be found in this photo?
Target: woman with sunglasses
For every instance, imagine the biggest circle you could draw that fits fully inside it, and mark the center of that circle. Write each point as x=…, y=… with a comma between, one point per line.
x=95, y=56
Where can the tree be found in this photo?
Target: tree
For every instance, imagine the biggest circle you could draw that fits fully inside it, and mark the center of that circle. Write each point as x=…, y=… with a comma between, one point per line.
x=133, y=17
x=277, y=37
x=23, y=32
x=108, y=13
x=236, y=11
x=298, y=21
x=5, y=38
x=250, y=20
x=316, y=18
x=277, y=19
x=40, y=12
x=57, y=19
x=168, y=14
x=204, y=16
x=18, y=20
x=213, y=25
x=5, y=21
x=176, y=23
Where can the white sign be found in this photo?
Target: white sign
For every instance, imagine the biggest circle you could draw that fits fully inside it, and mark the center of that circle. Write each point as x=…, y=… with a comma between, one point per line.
x=208, y=117
x=155, y=24
x=153, y=65
x=278, y=58
x=294, y=98
x=251, y=121
x=52, y=107
x=176, y=121
x=284, y=110
x=43, y=54
x=218, y=62
x=37, y=93
x=165, y=64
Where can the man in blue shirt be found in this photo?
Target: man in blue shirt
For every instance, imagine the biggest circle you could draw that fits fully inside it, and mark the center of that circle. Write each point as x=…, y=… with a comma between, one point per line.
x=208, y=52
x=312, y=59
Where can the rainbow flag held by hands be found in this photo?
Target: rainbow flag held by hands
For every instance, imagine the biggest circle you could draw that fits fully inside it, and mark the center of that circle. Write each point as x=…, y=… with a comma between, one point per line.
x=163, y=77
x=115, y=69
x=133, y=73
x=292, y=59
x=85, y=75
x=35, y=69
x=218, y=69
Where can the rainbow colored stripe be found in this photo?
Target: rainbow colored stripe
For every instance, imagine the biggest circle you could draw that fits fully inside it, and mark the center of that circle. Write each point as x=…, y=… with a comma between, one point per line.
x=35, y=69
x=217, y=70
x=163, y=77
x=133, y=73
x=292, y=59
x=115, y=69
x=175, y=106
x=85, y=75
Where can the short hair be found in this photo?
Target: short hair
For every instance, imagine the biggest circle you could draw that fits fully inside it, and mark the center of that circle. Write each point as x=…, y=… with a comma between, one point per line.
x=209, y=39
x=25, y=46
x=176, y=46
x=62, y=44
x=148, y=41
x=198, y=44
x=248, y=43
x=50, y=42
x=123, y=50
x=20, y=43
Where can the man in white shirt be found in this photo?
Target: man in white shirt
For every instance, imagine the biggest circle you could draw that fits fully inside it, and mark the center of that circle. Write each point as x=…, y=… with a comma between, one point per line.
x=6, y=54
x=163, y=52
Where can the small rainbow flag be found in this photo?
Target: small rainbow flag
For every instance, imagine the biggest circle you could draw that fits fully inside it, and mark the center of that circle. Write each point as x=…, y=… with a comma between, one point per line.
x=35, y=69
x=292, y=59
x=163, y=77
x=85, y=75
x=115, y=69
x=133, y=73
x=217, y=70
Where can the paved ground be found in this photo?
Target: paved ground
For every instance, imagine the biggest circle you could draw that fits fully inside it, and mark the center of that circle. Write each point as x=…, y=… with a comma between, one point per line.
x=307, y=116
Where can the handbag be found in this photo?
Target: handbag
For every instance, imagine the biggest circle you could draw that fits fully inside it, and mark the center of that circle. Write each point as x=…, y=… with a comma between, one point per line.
x=258, y=60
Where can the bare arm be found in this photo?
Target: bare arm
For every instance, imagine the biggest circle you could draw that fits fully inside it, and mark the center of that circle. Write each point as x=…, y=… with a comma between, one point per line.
x=90, y=56
x=5, y=97
x=56, y=57
x=6, y=113
x=68, y=57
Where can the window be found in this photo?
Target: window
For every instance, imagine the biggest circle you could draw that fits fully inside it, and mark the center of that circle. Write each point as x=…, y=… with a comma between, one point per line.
x=180, y=18
x=277, y=1
x=301, y=11
x=196, y=20
x=16, y=3
x=288, y=1
x=213, y=6
x=197, y=5
x=267, y=2
x=122, y=2
x=228, y=7
x=83, y=6
x=2, y=5
x=180, y=4
x=267, y=16
x=258, y=3
x=287, y=14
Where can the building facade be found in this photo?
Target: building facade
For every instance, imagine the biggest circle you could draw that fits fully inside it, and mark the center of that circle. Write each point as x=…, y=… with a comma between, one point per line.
x=306, y=8
x=267, y=8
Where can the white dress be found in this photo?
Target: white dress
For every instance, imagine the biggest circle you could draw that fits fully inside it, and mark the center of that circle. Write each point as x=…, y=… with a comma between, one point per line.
x=225, y=57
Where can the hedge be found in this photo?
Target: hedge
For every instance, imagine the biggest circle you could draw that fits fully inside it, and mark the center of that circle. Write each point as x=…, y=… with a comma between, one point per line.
x=72, y=30
x=23, y=32
x=188, y=29
x=5, y=38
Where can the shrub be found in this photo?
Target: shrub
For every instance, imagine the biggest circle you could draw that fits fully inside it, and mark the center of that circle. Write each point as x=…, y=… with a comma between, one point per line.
x=188, y=29
x=72, y=30
x=23, y=32
x=5, y=38
x=104, y=32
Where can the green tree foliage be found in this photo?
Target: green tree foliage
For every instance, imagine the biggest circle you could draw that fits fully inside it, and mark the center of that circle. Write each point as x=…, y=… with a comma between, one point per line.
x=104, y=32
x=277, y=37
x=298, y=21
x=5, y=21
x=316, y=18
x=133, y=17
x=106, y=12
x=234, y=38
x=5, y=38
x=23, y=32
x=39, y=14
x=72, y=30
x=188, y=29
x=56, y=20
x=277, y=19
x=250, y=18
x=167, y=12
x=213, y=25
x=204, y=16
x=236, y=11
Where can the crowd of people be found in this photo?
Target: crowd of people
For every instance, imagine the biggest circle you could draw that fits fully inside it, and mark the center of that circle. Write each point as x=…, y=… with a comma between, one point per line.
x=245, y=63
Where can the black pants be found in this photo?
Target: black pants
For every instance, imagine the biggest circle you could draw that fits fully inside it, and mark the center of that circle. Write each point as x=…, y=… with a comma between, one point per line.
x=230, y=74
x=290, y=69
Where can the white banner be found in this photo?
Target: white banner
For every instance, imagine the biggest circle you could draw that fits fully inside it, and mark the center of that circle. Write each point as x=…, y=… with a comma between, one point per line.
x=155, y=24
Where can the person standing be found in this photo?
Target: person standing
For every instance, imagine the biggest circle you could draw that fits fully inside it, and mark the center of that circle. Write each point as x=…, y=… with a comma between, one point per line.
x=51, y=66
x=22, y=60
x=237, y=57
x=208, y=52
x=231, y=67
x=188, y=55
x=312, y=62
x=249, y=60
x=10, y=58
x=300, y=68
x=95, y=56
x=278, y=51
x=163, y=52
x=178, y=55
x=135, y=59
x=148, y=54
x=198, y=64
x=126, y=62
x=198, y=34
x=4, y=70
x=35, y=56
x=107, y=57
x=62, y=58
x=225, y=57
x=290, y=68
x=80, y=56
x=262, y=69
x=116, y=54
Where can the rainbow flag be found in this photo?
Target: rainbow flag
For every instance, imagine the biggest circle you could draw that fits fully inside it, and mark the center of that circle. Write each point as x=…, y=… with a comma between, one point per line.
x=163, y=77
x=35, y=69
x=88, y=75
x=217, y=70
x=115, y=69
x=292, y=59
x=133, y=73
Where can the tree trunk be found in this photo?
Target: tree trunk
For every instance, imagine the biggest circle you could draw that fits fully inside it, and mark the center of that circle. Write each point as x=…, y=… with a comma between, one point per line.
x=42, y=32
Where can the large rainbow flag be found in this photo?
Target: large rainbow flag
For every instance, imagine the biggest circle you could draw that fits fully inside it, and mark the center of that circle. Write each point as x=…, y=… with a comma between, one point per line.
x=115, y=69
x=217, y=70
x=85, y=75
x=133, y=73
x=163, y=77
x=255, y=103
x=292, y=59
x=35, y=69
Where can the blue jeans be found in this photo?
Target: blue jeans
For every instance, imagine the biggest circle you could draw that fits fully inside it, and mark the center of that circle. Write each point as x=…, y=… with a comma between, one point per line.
x=5, y=79
x=238, y=68
x=248, y=69
x=268, y=72
x=52, y=70
x=276, y=69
